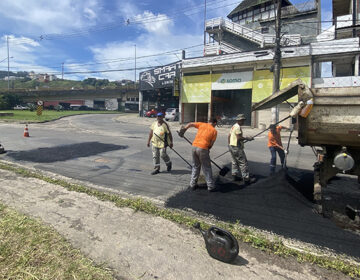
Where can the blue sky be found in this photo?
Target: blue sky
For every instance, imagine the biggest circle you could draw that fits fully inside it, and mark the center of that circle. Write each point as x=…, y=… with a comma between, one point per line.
x=100, y=35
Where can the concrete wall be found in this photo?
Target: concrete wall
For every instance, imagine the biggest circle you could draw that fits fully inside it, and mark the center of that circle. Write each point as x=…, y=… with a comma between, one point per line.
x=306, y=25
x=189, y=112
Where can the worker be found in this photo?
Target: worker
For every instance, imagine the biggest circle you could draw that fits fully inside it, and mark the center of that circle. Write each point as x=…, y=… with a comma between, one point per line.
x=204, y=140
x=160, y=137
x=239, y=162
x=275, y=146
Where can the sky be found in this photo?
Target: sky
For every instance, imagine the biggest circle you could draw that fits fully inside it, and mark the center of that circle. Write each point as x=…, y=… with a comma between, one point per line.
x=102, y=36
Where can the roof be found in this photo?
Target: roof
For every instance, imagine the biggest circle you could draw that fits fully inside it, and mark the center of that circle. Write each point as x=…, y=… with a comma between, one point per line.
x=245, y=4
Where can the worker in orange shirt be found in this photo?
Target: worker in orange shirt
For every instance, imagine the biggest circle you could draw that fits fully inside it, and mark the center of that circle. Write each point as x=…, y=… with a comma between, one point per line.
x=275, y=146
x=204, y=140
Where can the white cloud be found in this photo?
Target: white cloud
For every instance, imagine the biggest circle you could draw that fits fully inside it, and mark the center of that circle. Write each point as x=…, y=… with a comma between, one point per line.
x=146, y=45
x=43, y=16
x=159, y=23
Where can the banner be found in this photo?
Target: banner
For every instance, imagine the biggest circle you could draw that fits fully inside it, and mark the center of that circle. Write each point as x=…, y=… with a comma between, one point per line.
x=236, y=80
x=196, y=89
x=160, y=77
x=263, y=81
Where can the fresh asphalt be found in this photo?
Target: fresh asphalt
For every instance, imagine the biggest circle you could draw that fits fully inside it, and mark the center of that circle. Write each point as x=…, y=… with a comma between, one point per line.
x=111, y=151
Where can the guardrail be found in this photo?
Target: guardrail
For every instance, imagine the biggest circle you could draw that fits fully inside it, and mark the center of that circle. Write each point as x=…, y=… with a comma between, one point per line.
x=250, y=34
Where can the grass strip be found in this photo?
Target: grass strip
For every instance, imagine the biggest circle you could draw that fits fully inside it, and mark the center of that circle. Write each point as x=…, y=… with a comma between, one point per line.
x=31, y=250
x=243, y=234
x=47, y=115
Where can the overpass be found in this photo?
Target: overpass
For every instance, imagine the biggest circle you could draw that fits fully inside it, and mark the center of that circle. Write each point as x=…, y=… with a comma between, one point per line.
x=32, y=95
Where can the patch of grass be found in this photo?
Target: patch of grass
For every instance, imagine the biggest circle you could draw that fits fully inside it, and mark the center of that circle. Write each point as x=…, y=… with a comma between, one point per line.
x=31, y=250
x=47, y=115
x=241, y=233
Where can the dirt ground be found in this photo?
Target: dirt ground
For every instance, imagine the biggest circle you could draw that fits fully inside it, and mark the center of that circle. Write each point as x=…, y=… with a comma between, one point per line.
x=140, y=246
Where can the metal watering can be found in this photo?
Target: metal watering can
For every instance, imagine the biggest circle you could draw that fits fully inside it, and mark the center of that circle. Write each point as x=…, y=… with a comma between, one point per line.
x=220, y=244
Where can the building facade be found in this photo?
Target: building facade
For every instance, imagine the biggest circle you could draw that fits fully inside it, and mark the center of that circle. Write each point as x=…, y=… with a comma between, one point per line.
x=227, y=82
x=159, y=88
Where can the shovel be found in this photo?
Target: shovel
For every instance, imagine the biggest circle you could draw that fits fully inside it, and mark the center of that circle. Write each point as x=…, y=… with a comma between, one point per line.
x=174, y=150
x=351, y=212
x=223, y=171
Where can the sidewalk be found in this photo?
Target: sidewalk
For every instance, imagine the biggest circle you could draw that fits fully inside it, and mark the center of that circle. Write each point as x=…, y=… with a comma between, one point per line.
x=136, y=245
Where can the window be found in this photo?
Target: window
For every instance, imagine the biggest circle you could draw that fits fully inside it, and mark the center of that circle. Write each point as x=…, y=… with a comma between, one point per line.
x=264, y=30
x=257, y=11
x=235, y=18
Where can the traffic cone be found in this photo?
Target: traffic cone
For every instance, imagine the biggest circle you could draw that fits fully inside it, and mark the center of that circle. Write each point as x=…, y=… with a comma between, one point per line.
x=26, y=131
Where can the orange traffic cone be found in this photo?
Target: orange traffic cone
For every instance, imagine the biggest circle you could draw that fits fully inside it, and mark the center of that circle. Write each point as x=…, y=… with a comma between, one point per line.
x=26, y=131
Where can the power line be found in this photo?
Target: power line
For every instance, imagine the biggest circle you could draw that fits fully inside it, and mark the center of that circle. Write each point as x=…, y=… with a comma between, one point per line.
x=151, y=19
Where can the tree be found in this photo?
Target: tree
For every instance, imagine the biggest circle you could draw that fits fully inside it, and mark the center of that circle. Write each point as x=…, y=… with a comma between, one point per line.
x=8, y=101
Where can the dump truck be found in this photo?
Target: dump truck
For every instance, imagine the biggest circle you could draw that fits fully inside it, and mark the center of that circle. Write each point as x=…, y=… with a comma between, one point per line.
x=330, y=124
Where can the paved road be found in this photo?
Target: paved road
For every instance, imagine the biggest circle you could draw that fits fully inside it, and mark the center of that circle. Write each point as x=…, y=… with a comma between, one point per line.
x=111, y=151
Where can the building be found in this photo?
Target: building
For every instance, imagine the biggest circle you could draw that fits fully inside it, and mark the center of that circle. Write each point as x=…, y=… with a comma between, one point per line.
x=159, y=88
x=251, y=26
x=227, y=82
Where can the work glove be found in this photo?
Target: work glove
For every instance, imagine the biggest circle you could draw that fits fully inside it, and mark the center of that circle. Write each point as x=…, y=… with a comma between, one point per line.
x=182, y=131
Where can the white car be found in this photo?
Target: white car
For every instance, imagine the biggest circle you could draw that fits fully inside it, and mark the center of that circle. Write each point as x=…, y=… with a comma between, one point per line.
x=19, y=107
x=172, y=114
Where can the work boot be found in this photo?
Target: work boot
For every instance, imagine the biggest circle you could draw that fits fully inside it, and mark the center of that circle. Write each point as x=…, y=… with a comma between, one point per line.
x=156, y=171
x=213, y=189
x=169, y=166
x=235, y=178
x=249, y=181
x=193, y=188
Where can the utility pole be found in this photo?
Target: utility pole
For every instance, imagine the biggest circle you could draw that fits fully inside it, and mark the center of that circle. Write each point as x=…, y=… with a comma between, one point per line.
x=62, y=71
x=8, y=59
x=204, y=25
x=135, y=67
x=277, y=60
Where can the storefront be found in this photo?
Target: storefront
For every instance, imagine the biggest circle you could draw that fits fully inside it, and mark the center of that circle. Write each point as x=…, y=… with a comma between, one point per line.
x=159, y=88
x=220, y=95
x=225, y=95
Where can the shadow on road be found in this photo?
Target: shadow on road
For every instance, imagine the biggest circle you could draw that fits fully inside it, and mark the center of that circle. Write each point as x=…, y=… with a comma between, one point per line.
x=271, y=204
x=63, y=153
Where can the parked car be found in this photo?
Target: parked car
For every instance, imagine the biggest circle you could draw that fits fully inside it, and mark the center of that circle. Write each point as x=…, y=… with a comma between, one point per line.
x=151, y=113
x=75, y=107
x=20, y=107
x=172, y=114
